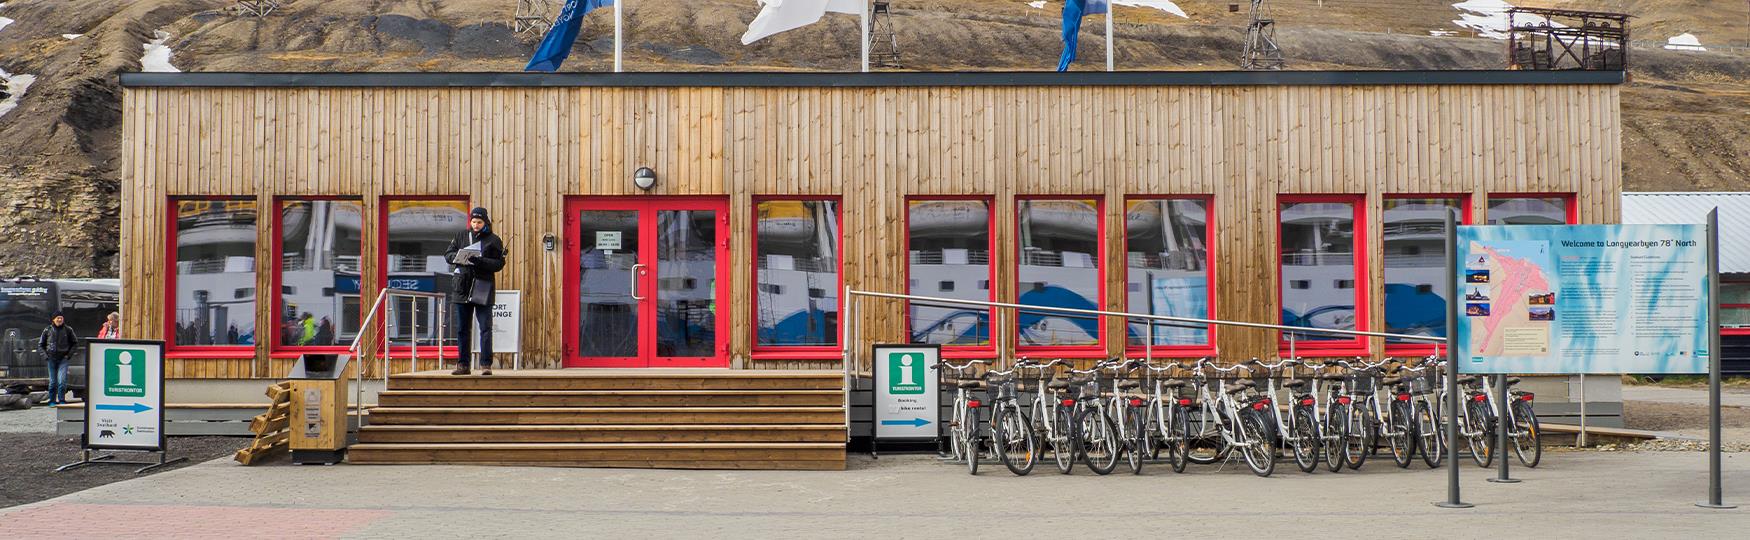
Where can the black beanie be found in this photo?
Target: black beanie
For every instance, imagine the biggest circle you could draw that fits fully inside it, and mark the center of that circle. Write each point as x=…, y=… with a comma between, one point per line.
x=480, y=212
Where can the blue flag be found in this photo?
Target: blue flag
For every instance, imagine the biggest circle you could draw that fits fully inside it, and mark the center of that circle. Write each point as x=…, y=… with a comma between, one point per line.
x=557, y=45
x=1073, y=11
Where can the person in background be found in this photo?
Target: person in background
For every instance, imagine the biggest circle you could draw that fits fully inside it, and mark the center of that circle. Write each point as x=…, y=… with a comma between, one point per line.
x=308, y=324
x=474, y=305
x=112, y=328
x=57, y=343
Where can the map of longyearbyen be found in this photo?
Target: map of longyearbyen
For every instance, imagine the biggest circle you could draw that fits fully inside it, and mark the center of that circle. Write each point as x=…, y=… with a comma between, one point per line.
x=1508, y=290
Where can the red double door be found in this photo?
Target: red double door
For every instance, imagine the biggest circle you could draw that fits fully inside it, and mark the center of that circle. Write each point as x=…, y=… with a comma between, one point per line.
x=646, y=282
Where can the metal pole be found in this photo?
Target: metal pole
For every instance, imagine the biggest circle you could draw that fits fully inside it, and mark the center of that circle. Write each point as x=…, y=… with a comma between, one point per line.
x=1452, y=307
x=1109, y=8
x=617, y=35
x=1502, y=476
x=1715, y=493
x=865, y=24
x=1580, y=441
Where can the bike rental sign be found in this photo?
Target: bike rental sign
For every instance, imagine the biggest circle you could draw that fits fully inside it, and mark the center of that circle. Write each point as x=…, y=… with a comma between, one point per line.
x=124, y=402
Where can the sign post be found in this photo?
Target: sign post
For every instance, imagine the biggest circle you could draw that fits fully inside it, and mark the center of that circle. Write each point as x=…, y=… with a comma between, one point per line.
x=1715, y=497
x=907, y=398
x=1579, y=299
x=1452, y=307
x=124, y=402
x=507, y=325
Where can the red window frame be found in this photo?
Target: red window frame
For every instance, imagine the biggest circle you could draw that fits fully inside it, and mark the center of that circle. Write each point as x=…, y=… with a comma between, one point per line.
x=1464, y=216
x=1098, y=348
x=794, y=352
x=1358, y=345
x=988, y=350
x=275, y=349
x=1210, y=224
x=171, y=348
x=1724, y=331
x=405, y=351
x=1571, y=205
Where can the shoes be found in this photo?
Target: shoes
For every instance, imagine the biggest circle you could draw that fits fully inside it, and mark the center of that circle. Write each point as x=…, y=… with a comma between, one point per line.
x=460, y=370
x=486, y=371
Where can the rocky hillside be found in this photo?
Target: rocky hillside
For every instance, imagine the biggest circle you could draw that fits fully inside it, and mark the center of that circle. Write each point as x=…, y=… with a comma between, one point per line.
x=1686, y=114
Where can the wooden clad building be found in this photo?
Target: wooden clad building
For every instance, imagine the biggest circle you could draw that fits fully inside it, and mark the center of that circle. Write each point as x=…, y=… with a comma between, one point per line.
x=262, y=213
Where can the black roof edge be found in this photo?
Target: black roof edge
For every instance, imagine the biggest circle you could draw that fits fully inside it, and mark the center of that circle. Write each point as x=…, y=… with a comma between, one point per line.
x=864, y=80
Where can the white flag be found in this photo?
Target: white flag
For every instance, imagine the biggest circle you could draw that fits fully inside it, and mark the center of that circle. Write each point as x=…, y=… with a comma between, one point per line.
x=781, y=15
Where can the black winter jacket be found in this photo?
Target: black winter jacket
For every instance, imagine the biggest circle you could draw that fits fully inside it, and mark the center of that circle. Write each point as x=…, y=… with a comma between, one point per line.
x=485, y=268
x=58, y=340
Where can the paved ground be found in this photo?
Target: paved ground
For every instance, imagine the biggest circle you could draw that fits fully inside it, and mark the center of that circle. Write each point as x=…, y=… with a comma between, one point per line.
x=1575, y=494
x=40, y=419
x=1737, y=396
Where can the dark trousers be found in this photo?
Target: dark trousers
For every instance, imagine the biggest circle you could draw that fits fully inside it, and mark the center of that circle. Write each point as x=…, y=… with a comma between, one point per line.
x=466, y=317
x=57, y=375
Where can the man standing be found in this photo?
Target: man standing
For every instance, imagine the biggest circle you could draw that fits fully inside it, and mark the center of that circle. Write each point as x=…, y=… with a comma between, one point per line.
x=477, y=255
x=57, y=343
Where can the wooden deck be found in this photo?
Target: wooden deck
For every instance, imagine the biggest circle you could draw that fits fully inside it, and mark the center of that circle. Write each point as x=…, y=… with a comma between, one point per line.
x=637, y=418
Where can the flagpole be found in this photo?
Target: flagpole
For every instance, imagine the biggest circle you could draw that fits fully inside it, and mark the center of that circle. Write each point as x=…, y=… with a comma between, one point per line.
x=617, y=40
x=1109, y=7
x=865, y=25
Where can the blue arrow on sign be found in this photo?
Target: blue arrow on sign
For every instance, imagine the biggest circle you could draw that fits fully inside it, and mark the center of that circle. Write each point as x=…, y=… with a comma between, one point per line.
x=137, y=407
x=915, y=422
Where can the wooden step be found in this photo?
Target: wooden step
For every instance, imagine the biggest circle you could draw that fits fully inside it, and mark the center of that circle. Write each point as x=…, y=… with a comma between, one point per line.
x=604, y=415
x=611, y=398
x=822, y=433
x=621, y=380
x=810, y=456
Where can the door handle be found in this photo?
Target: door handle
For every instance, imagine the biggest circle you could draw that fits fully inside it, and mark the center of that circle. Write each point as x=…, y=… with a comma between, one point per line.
x=637, y=272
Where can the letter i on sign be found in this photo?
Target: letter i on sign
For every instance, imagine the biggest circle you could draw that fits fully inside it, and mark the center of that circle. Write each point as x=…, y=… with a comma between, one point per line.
x=126, y=373
x=908, y=370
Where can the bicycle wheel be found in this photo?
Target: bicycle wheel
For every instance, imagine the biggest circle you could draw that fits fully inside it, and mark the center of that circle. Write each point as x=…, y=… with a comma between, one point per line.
x=1063, y=445
x=972, y=439
x=1527, y=435
x=1179, y=439
x=1305, y=439
x=1400, y=433
x=1482, y=442
x=1138, y=442
x=1203, y=445
x=1260, y=452
x=1014, y=441
x=1355, y=442
x=1336, y=436
x=1431, y=436
x=1099, y=442
x=957, y=432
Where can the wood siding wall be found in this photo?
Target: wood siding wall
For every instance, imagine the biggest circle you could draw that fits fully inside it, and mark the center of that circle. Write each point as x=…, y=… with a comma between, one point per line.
x=521, y=151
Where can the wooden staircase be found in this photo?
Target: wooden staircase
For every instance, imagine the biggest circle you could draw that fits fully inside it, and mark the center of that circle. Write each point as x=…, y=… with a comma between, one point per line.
x=666, y=419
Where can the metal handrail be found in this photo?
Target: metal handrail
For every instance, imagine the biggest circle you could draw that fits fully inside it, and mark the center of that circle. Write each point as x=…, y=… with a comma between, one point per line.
x=846, y=337
x=365, y=328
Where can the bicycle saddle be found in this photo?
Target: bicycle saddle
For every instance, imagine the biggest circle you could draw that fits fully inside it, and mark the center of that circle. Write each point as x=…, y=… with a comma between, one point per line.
x=1512, y=380
x=1467, y=379
x=1174, y=384
x=1058, y=385
x=1126, y=385
x=1239, y=387
x=1295, y=384
x=1392, y=381
x=971, y=384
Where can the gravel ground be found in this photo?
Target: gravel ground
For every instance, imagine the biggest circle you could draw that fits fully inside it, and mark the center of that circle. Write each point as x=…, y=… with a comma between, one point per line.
x=1682, y=410
x=30, y=451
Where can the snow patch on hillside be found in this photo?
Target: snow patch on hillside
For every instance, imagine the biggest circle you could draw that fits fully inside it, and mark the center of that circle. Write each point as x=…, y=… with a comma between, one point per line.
x=15, y=86
x=1684, y=42
x=157, y=56
x=1488, y=18
x=1163, y=5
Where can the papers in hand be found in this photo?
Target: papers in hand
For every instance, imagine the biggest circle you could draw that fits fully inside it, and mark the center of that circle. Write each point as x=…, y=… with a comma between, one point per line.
x=465, y=256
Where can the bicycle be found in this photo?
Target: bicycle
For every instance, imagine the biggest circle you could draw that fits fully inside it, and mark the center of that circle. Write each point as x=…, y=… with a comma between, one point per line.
x=1478, y=428
x=1011, y=438
x=963, y=436
x=1427, y=393
x=1168, y=414
x=1238, y=420
x=1299, y=429
x=1050, y=418
x=1130, y=413
x=1095, y=440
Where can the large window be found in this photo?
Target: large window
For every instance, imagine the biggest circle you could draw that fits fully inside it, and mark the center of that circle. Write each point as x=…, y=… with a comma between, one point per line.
x=1321, y=263
x=949, y=247
x=796, y=293
x=417, y=234
x=1530, y=210
x=1734, y=306
x=1414, y=237
x=1167, y=272
x=318, y=272
x=214, y=278
x=1060, y=243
